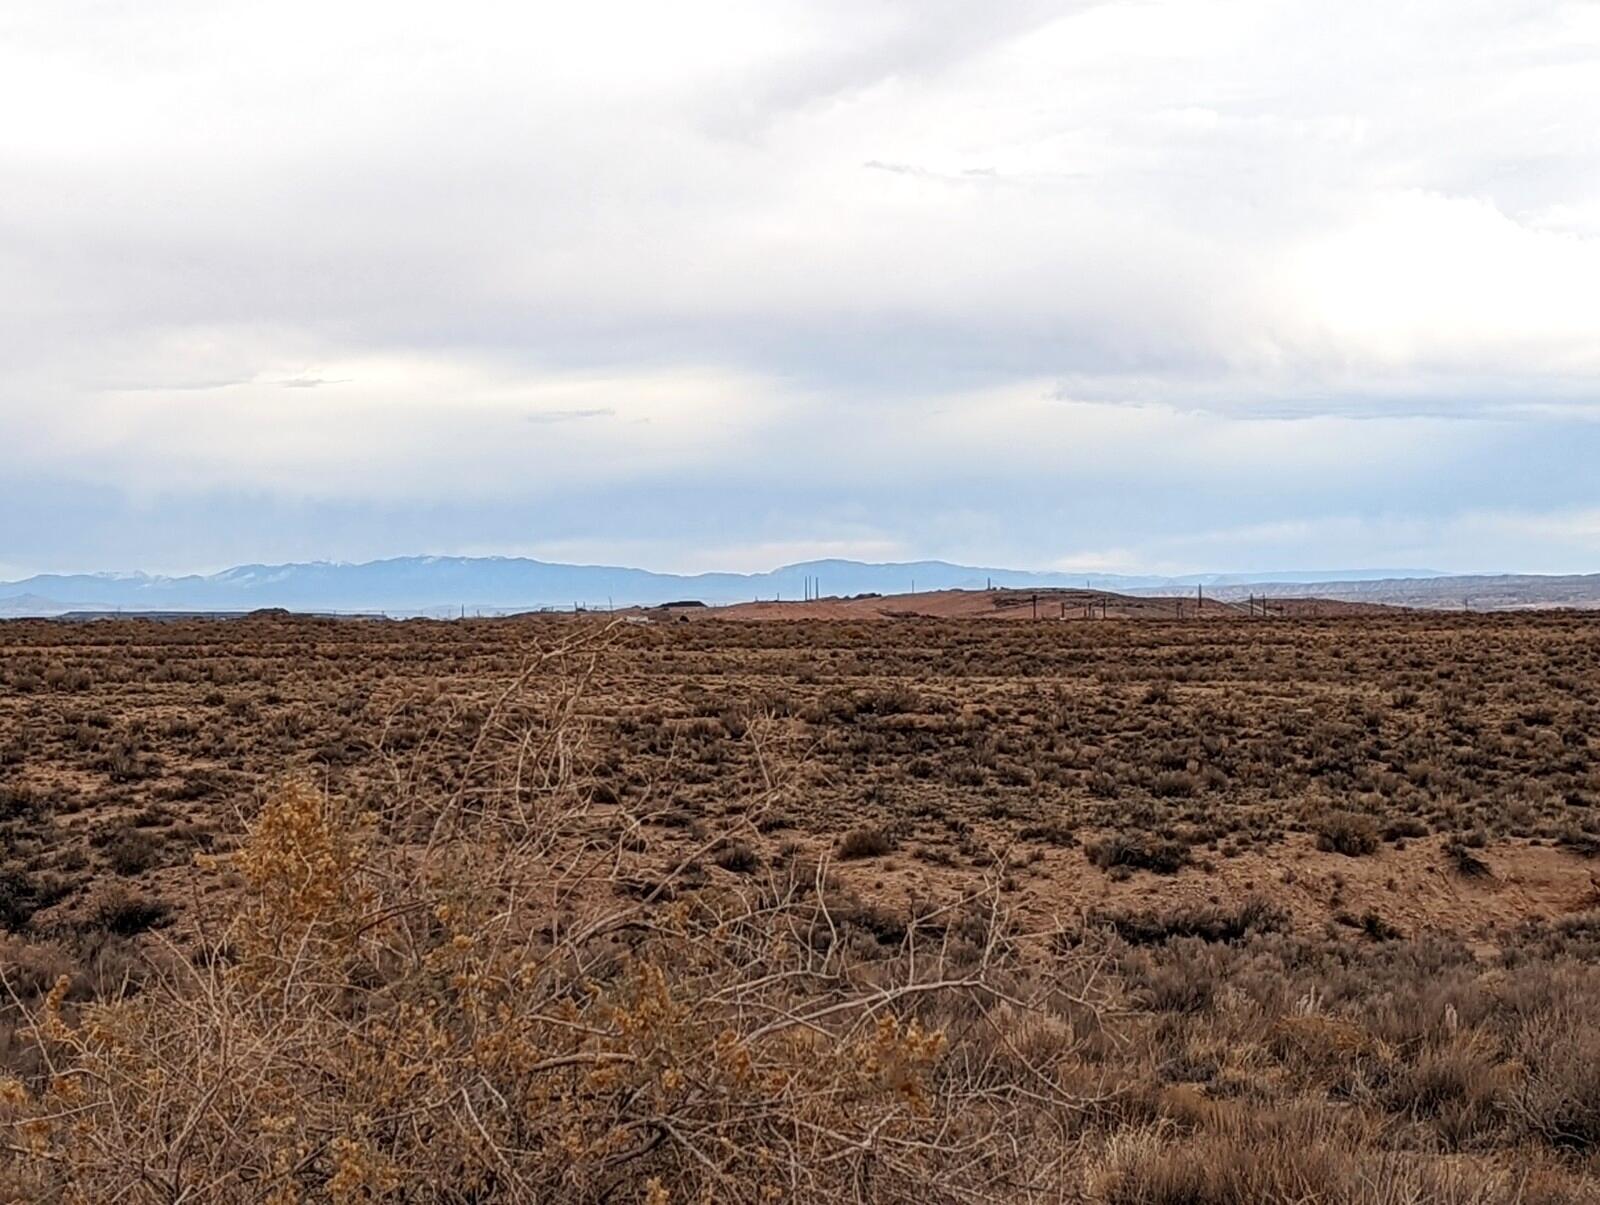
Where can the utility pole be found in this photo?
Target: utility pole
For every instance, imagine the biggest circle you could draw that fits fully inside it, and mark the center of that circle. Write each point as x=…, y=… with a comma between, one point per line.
x=1036, y=606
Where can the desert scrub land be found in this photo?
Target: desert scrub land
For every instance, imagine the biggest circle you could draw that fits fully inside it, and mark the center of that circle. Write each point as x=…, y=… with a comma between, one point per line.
x=555, y=909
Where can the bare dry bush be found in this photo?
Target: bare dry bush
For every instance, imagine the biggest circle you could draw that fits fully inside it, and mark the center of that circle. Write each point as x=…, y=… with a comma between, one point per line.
x=450, y=997
x=1348, y=833
x=868, y=841
x=1140, y=851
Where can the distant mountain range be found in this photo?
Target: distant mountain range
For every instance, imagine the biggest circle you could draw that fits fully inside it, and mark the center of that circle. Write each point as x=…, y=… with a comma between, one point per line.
x=444, y=585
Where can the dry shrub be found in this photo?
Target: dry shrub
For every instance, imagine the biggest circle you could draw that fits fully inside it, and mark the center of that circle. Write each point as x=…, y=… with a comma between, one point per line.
x=1556, y=1097
x=1209, y=923
x=738, y=858
x=130, y=851
x=868, y=841
x=446, y=999
x=1050, y=832
x=1188, y=987
x=22, y=893
x=1466, y=863
x=19, y=897
x=1324, y=1049
x=1455, y=1085
x=1308, y=1156
x=1139, y=851
x=1221, y=1172
x=1350, y=833
x=120, y=910
x=1175, y=783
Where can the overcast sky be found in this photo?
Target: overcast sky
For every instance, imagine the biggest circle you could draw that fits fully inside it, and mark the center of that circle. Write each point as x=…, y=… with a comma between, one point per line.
x=1130, y=286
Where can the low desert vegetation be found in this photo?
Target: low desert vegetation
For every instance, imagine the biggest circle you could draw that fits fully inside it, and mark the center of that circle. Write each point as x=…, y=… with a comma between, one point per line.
x=1348, y=833
x=528, y=911
x=479, y=992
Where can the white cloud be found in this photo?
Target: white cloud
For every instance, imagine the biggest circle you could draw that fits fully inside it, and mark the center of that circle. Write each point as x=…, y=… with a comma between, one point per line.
x=391, y=428
x=1424, y=281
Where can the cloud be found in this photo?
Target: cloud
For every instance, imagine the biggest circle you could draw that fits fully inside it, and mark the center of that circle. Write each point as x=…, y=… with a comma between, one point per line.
x=967, y=175
x=311, y=382
x=932, y=269
x=567, y=416
x=177, y=386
